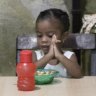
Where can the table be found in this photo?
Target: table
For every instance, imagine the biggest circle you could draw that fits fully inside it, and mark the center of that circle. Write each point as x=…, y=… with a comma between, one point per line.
x=85, y=86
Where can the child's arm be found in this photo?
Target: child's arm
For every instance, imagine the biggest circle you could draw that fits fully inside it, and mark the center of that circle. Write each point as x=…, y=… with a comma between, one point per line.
x=71, y=64
x=45, y=59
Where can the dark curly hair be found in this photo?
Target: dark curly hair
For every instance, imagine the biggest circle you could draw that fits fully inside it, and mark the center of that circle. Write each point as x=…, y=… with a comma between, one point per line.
x=57, y=14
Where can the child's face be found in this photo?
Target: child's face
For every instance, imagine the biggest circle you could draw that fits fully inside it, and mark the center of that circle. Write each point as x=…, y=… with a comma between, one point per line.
x=45, y=30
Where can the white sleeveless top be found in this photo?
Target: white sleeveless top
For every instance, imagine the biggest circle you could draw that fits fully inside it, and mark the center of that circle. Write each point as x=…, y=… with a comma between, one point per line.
x=59, y=67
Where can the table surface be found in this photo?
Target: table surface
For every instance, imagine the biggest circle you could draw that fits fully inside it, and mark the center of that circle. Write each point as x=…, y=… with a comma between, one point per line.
x=85, y=86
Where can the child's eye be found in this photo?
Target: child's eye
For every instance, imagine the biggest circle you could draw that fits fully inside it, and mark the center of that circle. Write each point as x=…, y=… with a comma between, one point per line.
x=50, y=36
x=39, y=35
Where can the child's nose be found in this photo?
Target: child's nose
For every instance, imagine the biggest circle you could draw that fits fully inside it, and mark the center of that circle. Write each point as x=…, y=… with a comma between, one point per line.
x=44, y=39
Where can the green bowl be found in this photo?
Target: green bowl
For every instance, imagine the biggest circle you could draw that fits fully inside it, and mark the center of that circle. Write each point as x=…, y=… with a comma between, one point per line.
x=44, y=79
x=45, y=76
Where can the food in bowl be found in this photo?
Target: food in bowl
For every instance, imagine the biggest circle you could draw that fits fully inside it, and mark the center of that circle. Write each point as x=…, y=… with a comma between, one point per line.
x=44, y=76
x=45, y=72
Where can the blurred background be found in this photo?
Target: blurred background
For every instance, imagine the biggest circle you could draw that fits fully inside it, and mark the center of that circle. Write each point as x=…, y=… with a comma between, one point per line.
x=17, y=17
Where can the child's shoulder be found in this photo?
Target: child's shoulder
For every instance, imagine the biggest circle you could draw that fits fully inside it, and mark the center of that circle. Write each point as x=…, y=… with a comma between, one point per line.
x=68, y=53
x=39, y=54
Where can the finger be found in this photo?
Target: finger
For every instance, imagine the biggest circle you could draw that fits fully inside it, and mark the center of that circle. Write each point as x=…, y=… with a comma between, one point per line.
x=53, y=39
x=58, y=41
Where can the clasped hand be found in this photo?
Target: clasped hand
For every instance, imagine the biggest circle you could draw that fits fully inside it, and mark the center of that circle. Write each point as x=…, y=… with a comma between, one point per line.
x=54, y=51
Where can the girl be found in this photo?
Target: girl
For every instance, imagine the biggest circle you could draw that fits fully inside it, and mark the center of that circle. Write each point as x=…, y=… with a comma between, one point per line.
x=51, y=27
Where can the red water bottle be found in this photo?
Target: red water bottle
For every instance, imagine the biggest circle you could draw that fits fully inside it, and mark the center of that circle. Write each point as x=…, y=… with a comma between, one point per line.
x=26, y=71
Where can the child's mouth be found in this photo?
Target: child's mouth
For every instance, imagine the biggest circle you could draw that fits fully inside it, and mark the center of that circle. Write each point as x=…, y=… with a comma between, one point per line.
x=45, y=48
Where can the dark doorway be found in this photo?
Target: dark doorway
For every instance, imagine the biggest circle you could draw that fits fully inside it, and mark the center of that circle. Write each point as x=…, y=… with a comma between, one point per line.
x=77, y=13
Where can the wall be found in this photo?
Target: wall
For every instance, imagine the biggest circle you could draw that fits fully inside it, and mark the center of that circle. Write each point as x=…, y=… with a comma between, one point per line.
x=90, y=6
x=18, y=17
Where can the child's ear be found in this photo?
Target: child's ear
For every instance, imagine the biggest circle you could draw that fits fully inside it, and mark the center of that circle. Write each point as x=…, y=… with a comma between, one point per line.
x=65, y=36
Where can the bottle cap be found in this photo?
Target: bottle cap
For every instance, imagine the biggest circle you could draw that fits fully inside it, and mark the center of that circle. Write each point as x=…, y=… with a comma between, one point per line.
x=26, y=56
